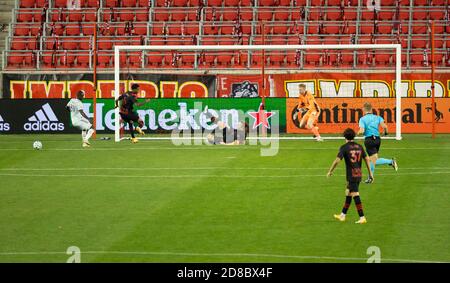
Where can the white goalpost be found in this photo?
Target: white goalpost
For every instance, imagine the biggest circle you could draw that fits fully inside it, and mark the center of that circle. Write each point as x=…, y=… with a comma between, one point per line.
x=204, y=48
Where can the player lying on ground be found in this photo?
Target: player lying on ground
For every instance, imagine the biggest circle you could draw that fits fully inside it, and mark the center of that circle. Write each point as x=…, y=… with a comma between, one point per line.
x=127, y=113
x=79, y=119
x=309, y=109
x=224, y=134
x=369, y=125
x=353, y=153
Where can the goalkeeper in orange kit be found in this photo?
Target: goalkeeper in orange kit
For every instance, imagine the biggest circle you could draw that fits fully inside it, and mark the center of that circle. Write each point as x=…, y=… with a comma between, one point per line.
x=309, y=109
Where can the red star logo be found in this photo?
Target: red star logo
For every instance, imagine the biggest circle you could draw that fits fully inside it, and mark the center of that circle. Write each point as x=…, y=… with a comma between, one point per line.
x=261, y=117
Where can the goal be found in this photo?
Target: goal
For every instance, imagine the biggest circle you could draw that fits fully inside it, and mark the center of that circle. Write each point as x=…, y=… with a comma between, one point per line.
x=340, y=87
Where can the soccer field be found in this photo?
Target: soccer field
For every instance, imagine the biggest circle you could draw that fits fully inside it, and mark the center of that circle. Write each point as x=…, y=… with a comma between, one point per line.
x=156, y=202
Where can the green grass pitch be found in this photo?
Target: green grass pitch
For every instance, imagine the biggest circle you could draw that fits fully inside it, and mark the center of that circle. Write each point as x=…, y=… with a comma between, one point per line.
x=156, y=202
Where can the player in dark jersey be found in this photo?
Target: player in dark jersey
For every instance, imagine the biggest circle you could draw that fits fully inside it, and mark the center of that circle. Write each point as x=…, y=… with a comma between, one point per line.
x=127, y=113
x=353, y=153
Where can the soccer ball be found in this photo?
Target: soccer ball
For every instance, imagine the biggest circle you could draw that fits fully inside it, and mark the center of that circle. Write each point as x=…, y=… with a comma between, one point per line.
x=37, y=145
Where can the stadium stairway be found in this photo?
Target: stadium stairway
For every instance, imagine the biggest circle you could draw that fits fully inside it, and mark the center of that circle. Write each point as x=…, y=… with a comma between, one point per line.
x=6, y=7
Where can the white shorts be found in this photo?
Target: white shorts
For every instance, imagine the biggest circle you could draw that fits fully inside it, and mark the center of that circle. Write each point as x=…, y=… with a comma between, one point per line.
x=83, y=124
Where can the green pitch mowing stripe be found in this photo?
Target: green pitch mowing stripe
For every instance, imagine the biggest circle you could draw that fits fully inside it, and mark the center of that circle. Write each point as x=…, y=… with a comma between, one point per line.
x=163, y=203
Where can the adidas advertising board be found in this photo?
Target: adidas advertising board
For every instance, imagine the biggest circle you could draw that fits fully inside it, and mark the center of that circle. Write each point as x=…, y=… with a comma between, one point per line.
x=44, y=116
x=44, y=120
x=4, y=126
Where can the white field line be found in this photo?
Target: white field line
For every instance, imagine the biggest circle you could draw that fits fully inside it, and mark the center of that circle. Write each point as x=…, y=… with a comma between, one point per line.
x=221, y=255
x=206, y=147
x=202, y=168
x=202, y=176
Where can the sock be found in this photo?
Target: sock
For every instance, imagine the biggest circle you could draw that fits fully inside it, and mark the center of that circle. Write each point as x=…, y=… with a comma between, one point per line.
x=359, y=206
x=372, y=167
x=348, y=201
x=315, y=131
x=381, y=161
x=83, y=134
x=131, y=130
x=90, y=132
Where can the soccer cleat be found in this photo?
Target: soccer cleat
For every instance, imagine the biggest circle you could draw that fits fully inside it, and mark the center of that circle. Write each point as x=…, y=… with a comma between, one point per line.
x=368, y=181
x=134, y=140
x=361, y=220
x=319, y=139
x=85, y=144
x=394, y=164
x=140, y=131
x=339, y=217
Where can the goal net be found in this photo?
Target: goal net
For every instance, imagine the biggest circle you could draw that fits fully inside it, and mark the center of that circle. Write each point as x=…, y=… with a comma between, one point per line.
x=341, y=78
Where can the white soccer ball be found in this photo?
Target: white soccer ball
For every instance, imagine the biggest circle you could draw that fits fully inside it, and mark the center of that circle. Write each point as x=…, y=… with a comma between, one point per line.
x=37, y=145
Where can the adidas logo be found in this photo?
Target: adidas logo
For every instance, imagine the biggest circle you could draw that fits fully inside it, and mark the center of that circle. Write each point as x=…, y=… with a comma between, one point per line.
x=4, y=127
x=44, y=120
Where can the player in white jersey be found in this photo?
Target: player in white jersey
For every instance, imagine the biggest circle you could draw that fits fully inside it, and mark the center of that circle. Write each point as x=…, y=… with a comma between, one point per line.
x=79, y=119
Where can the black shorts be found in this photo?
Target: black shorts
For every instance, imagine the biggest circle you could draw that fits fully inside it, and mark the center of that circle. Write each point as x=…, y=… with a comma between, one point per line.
x=353, y=187
x=130, y=117
x=372, y=144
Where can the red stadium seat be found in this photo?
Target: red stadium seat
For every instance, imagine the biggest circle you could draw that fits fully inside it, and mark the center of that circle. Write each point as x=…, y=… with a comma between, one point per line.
x=421, y=2
x=18, y=43
x=35, y=30
x=142, y=15
x=276, y=59
x=24, y=15
x=386, y=15
x=161, y=16
x=178, y=15
x=90, y=15
x=104, y=43
x=385, y=29
x=417, y=59
x=232, y=3
x=266, y=2
x=437, y=15
x=280, y=29
x=69, y=43
x=367, y=15
x=317, y=2
x=311, y=59
x=60, y=3
x=93, y=3
x=210, y=30
x=144, y=3
x=246, y=15
x=75, y=16
x=154, y=58
x=419, y=15
x=21, y=29
x=126, y=15
x=214, y=3
x=104, y=59
x=135, y=59
x=224, y=59
x=73, y=29
x=265, y=15
x=419, y=43
x=48, y=59
x=281, y=15
x=27, y=3
x=111, y=3
x=128, y=3
x=84, y=44
x=88, y=29
x=230, y=15
x=350, y=14
x=157, y=28
x=15, y=58
x=32, y=43
x=191, y=29
x=334, y=15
